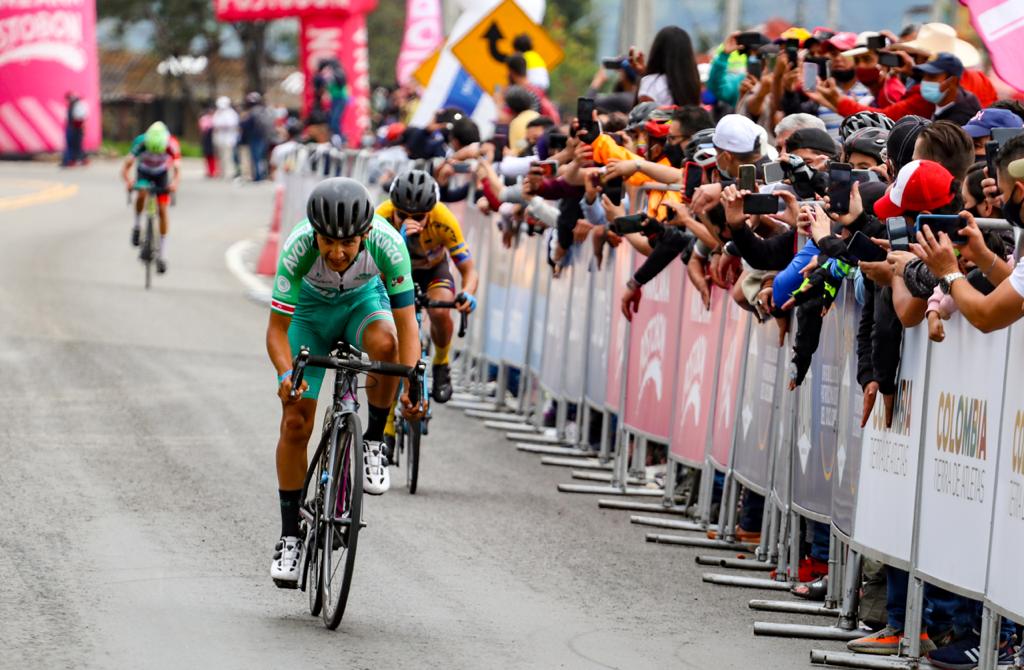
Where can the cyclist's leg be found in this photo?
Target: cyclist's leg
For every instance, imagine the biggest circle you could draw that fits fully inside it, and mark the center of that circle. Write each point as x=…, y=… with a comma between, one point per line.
x=440, y=286
x=372, y=328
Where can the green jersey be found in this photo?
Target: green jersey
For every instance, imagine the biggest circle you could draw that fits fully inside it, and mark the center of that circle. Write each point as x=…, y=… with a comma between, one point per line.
x=301, y=270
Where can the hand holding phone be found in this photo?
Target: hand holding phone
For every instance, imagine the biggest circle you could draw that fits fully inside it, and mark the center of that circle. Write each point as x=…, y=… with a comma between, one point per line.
x=693, y=178
x=587, y=132
x=951, y=224
x=889, y=59
x=748, y=178
x=761, y=203
x=862, y=248
x=810, y=77
x=839, y=187
x=547, y=168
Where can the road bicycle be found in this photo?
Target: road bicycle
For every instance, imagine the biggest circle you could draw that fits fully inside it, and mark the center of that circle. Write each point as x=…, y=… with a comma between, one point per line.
x=408, y=433
x=148, y=246
x=331, y=512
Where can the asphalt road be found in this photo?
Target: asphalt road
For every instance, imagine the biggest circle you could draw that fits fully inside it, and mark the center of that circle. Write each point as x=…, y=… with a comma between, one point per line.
x=140, y=510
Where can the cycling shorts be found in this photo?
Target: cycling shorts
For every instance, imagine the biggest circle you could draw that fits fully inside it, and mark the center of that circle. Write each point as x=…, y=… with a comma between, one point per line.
x=319, y=325
x=439, y=276
x=155, y=182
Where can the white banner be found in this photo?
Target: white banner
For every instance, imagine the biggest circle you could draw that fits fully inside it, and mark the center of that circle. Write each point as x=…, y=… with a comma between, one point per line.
x=961, y=450
x=1005, y=586
x=884, y=520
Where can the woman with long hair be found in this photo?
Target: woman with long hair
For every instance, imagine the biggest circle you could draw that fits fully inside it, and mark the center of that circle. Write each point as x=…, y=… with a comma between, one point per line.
x=670, y=76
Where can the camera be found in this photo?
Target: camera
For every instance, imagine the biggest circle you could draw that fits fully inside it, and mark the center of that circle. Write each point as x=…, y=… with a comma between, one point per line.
x=806, y=181
x=637, y=223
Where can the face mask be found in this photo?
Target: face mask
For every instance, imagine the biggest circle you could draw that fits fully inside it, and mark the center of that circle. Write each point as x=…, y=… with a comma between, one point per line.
x=844, y=76
x=675, y=155
x=868, y=75
x=641, y=149
x=931, y=91
x=1012, y=210
x=723, y=171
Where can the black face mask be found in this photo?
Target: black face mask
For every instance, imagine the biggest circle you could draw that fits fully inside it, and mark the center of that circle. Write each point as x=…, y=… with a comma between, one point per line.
x=844, y=76
x=675, y=155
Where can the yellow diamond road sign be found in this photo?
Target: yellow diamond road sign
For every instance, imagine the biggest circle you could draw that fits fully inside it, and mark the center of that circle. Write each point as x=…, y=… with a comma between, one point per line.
x=485, y=48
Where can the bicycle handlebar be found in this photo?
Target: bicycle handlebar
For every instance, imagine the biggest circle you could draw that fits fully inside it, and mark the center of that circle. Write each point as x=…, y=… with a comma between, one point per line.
x=426, y=303
x=354, y=362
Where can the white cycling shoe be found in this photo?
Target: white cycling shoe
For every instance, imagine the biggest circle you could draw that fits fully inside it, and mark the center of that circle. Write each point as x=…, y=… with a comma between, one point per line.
x=376, y=479
x=287, y=563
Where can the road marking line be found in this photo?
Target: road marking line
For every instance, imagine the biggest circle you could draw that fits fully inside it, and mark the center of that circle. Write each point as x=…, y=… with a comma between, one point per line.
x=48, y=192
x=256, y=289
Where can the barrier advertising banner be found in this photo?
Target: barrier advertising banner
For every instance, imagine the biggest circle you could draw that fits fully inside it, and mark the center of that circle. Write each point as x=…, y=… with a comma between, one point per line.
x=267, y=10
x=730, y=377
x=552, y=370
x=423, y=35
x=848, y=438
x=961, y=452
x=600, y=326
x=884, y=520
x=817, y=418
x=757, y=420
x=517, y=303
x=618, y=349
x=498, y=274
x=47, y=50
x=579, y=321
x=698, y=339
x=653, y=352
x=1005, y=586
x=540, y=308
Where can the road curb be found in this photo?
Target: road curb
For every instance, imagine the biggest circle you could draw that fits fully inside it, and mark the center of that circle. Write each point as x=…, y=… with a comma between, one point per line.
x=257, y=289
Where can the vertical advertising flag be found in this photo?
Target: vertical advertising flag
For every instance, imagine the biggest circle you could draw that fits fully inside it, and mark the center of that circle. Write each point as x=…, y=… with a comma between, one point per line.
x=1000, y=24
x=342, y=37
x=47, y=50
x=423, y=35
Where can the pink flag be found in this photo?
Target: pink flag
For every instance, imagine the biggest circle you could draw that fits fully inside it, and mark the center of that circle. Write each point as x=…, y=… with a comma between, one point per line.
x=1000, y=24
x=328, y=36
x=423, y=35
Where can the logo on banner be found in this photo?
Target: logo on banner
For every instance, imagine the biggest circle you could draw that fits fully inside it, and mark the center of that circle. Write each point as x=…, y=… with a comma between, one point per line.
x=652, y=350
x=901, y=417
x=803, y=443
x=1017, y=446
x=693, y=379
x=48, y=36
x=726, y=382
x=961, y=430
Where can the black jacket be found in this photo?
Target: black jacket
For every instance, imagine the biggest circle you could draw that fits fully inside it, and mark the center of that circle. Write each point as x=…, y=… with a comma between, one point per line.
x=963, y=109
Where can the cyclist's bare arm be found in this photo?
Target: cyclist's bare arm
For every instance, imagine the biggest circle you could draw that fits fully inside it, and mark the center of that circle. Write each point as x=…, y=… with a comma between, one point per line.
x=470, y=277
x=175, y=176
x=280, y=351
x=126, y=169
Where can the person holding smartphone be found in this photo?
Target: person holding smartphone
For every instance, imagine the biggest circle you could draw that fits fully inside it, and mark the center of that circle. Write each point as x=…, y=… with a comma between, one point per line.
x=981, y=125
x=885, y=87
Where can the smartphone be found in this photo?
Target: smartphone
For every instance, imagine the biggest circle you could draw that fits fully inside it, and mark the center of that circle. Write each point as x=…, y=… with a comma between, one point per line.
x=613, y=189
x=1004, y=135
x=862, y=248
x=547, y=168
x=991, y=152
x=748, y=177
x=889, y=59
x=774, y=172
x=840, y=182
x=824, y=68
x=877, y=42
x=749, y=40
x=755, y=66
x=626, y=225
x=946, y=223
x=462, y=168
x=694, y=177
x=614, y=63
x=898, y=232
x=588, y=125
x=761, y=203
x=865, y=176
x=557, y=142
x=810, y=76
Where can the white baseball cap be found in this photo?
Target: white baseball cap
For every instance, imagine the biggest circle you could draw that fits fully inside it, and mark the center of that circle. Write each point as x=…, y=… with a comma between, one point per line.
x=862, y=44
x=737, y=134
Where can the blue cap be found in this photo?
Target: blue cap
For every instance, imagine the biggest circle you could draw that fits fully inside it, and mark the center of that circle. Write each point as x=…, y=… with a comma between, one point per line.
x=982, y=123
x=944, y=63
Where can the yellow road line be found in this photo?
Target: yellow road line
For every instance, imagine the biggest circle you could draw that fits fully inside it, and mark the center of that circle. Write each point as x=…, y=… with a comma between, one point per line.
x=47, y=191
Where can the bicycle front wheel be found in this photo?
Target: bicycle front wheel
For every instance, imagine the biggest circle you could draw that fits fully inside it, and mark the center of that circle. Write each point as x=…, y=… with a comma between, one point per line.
x=147, y=249
x=343, y=497
x=412, y=459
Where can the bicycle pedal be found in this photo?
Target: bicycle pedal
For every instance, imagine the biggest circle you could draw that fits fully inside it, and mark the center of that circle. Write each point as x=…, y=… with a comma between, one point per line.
x=285, y=584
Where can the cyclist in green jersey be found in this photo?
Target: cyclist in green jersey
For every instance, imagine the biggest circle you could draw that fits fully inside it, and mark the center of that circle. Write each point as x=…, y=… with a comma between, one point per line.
x=344, y=273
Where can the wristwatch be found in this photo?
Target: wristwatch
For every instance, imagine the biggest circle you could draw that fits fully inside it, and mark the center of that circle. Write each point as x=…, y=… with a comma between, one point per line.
x=946, y=283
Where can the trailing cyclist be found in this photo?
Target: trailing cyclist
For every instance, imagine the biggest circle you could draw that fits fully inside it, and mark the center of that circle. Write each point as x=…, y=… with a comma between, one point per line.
x=344, y=274
x=430, y=229
x=157, y=158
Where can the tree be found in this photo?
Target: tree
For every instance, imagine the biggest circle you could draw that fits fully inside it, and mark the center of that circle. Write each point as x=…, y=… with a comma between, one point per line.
x=385, y=26
x=571, y=24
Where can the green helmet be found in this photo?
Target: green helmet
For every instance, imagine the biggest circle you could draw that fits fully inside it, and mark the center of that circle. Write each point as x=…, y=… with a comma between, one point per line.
x=156, y=138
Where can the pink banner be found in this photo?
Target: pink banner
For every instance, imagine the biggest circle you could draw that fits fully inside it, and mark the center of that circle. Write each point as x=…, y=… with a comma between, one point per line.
x=653, y=353
x=47, y=49
x=727, y=397
x=342, y=37
x=699, y=338
x=423, y=35
x=1000, y=24
x=618, y=346
x=265, y=10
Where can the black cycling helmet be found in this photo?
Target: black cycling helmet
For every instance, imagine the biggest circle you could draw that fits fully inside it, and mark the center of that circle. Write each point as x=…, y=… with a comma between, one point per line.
x=855, y=122
x=867, y=141
x=340, y=208
x=414, y=191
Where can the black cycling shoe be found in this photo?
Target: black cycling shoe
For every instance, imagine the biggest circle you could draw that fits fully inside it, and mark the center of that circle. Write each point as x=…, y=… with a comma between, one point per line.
x=389, y=449
x=442, y=383
x=161, y=266
x=136, y=233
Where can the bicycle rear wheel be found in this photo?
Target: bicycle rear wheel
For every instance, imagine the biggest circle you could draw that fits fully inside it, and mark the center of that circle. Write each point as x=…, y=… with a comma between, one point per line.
x=343, y=506
x=147, y=248
x=313, y=504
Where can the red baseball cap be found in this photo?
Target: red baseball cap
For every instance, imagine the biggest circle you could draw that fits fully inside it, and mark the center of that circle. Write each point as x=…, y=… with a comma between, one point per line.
x=920, y=186
x=842, y=41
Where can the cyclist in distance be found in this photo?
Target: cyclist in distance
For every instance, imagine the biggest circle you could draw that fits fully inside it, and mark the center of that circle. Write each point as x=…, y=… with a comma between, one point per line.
x=430, y=230
x=343, y=274
x=157, y=158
